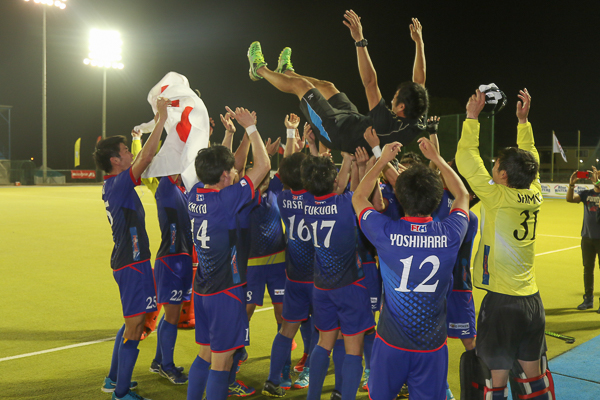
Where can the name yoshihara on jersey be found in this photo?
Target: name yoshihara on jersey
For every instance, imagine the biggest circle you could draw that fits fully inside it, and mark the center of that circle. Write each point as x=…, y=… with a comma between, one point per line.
x=419, y=241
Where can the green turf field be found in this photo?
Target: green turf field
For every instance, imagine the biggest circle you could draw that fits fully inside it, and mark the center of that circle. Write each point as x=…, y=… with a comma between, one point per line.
x=56, y=279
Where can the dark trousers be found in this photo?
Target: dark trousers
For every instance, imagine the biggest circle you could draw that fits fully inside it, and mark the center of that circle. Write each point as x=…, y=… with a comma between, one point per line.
x=590, y=249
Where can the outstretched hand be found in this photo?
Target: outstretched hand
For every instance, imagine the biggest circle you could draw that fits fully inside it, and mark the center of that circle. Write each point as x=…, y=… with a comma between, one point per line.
x=432, y=125
x=361, y=156
x=523, y=106
x=371, y=137
x=390, y=151
x=428, y=149
x=292, y=121
x=228, y=122
x=308, y=134
x=475, y=105
x=416, y=31
x=353, y=23
x=211, y=127
x=161, y=106
x=272, y=148
x=136, y=134
x=244, y=117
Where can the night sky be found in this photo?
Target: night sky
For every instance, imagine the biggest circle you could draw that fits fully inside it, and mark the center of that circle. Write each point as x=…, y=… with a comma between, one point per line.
x=551, y=50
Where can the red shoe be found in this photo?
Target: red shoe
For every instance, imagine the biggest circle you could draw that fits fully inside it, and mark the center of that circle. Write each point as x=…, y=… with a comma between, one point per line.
x=294, y=344
x=300, y=366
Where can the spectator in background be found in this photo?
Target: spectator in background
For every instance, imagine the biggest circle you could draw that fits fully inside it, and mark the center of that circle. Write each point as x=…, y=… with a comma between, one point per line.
x=590, y=233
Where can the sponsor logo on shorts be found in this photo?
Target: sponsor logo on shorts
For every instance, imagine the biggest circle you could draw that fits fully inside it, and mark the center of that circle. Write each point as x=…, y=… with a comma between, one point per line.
x=418, y=228
x=279, y=292
x=189, y=291
x=310, y=96
x=365, y=215
x=374, y=300
x=454, y=325
x=466, y=332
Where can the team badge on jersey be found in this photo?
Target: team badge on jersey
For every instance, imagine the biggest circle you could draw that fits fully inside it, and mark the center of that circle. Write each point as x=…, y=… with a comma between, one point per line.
x=418, y=228
x=243, y=182
x=199, y=197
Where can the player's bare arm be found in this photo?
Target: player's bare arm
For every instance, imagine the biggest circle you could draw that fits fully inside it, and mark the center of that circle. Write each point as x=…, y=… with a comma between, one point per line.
x=145, y=157
x=433, y=123
x=262, y=163
x=419, y=68
x=360, y=199
x=453, y=182
x=376, y=197
x=573, y=197
x=309, y=137
x=229, y=130
x=523, y=106
x=365, y=65
x=343, y=175
x=292, y=121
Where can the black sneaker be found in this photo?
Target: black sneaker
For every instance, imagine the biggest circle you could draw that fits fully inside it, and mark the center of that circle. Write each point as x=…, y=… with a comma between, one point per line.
x=588, y=302
x=155, y=367
x=335, y=395
x=271, y=390
x=174, y=375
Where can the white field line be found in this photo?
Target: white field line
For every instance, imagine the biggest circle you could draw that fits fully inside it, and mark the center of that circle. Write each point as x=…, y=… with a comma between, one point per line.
x=556, y=251
x=37, y=353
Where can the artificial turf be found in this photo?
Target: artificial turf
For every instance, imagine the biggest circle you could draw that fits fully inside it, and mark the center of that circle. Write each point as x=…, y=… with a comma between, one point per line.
x=59, y=291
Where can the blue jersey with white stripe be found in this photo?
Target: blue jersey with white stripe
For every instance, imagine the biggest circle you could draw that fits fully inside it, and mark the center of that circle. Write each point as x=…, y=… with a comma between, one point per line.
x=416, y=258
x=173, y=219
x=332, y=223
x=214, y=231
x=127, y=220
x=300, y=255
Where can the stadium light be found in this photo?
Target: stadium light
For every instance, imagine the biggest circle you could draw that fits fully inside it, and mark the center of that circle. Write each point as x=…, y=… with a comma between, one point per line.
x=62, y=4
x=105, y=52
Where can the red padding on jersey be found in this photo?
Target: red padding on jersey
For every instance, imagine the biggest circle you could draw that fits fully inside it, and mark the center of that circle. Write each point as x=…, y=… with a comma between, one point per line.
x=250, y=183
x=320, y=198
x=184, y=126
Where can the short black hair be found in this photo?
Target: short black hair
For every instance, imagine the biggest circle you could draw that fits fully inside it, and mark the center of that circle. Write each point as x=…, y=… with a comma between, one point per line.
x=520, y=165
x=419, y=190
x=318, y=175
x=211, y=162
x=415, y=99
x=410, y=158
x=106, y=149
x=475, y=199
x=290, y=171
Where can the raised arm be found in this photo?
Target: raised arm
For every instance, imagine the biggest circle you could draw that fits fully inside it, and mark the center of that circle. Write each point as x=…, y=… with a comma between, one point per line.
x=360, y=199
x=573, y=197
x=229, y=130
x=146, y=155
x=525, y=139
x=419, y=68
x=453, y=182
x=432, y=129
x=291, y=124
x=262, y=163
x=365, y=65
x=343, y=175
x=309, y=137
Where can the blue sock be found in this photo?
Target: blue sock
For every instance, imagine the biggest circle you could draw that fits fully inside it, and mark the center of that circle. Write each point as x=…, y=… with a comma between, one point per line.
x=197, y=375
x=314, y=339
x=158, y=357
x=339, y=353
x=217, y=387
x=168, y=336
x=279, y=353
x=352, y=370
x=289, y=359
x=237, y=356
x=128, y=355
x=114, y=362
x=318, y=370
x=306, y=333
x=369, y=339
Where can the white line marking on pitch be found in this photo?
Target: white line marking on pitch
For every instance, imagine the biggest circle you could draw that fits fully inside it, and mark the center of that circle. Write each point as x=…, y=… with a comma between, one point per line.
x=56, y=349
x=37, y=353
x=557, y=236
x=556, y=251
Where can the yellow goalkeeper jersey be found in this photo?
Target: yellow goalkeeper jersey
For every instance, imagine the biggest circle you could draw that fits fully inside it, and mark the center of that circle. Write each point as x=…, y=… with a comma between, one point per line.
x=504, y=262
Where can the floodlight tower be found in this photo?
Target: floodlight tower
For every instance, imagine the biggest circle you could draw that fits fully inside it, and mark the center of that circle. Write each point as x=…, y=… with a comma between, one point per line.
x=62, y=4
x=105, y=52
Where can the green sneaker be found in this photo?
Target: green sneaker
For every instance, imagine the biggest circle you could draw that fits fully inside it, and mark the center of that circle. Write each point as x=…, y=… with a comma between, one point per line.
x=257, y=60
x=285, y=62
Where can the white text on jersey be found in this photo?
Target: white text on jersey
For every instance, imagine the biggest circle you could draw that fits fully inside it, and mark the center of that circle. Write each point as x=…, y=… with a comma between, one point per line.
x=320, y=210
x=427, y=242
x=197, y=208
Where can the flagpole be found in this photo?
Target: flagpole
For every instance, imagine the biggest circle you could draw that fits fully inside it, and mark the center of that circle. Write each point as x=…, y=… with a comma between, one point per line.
x=578, y=147
x=552, y=162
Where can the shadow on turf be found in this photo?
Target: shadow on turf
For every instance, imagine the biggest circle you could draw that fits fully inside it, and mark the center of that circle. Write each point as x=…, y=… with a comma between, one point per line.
x=567, y=311
x=52, y=336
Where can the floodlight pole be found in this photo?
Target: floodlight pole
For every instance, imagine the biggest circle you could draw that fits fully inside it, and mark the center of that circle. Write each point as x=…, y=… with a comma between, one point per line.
x=44, y=115
x=104, y=106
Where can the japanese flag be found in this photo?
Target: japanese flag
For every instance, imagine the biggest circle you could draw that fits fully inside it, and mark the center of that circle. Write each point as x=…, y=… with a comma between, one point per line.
x=187, y=129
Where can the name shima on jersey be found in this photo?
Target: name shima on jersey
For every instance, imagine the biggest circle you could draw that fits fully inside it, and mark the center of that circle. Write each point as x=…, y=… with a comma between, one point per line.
x=419, y=241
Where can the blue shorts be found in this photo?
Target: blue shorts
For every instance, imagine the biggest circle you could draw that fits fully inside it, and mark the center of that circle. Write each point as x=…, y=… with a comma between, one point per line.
x=174, y=275
x=271, y=275
x=346, y=308
x=221, y=320
x=137, y=288
x=426, y=373
x=461, y=315
x=297, y=301
x=374, y=284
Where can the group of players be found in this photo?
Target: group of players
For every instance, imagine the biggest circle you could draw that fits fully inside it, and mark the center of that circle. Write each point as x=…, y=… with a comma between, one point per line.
x=348, y=241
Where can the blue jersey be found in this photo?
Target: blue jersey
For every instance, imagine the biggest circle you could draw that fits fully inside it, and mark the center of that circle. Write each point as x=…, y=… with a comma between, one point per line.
x=416, y=258
x=173, y=218
x=300, y=255
x=394, y=209
x=332, y=223
x=266, y=230
x=127, y=219
x=462, y=269
x=214, y=231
